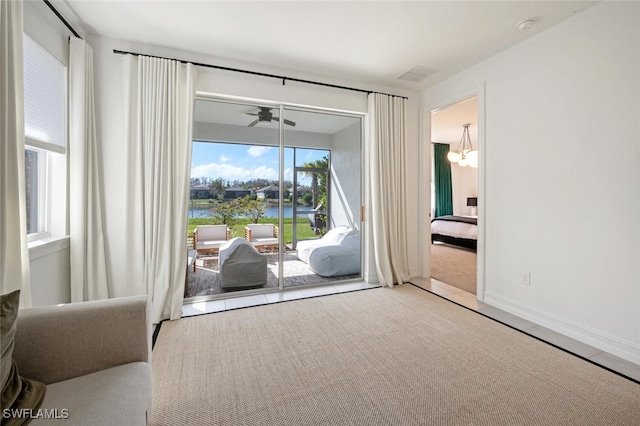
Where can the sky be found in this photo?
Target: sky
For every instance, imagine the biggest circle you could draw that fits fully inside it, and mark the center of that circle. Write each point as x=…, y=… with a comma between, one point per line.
x=244, y=162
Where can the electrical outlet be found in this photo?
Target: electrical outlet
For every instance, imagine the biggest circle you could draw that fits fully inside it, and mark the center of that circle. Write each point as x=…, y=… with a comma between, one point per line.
x=526, y=278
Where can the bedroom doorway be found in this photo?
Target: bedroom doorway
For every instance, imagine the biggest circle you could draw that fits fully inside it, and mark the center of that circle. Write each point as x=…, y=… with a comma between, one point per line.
x=454, y=194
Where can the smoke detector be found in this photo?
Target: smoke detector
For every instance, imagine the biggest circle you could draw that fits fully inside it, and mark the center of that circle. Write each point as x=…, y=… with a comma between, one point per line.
x=526, y=24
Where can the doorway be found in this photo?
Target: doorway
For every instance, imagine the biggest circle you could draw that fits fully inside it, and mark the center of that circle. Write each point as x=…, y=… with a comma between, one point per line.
x=455, y=191
x=274, y=180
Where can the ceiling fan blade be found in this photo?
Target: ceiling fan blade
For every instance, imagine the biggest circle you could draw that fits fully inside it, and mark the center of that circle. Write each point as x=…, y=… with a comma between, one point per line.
x=251, y=113
x=288, y=122
x=253, y=123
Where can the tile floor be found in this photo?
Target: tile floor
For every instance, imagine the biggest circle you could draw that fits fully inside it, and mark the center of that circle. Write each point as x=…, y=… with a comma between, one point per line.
x=198, y=308
x=449, y=292
x=469, y=300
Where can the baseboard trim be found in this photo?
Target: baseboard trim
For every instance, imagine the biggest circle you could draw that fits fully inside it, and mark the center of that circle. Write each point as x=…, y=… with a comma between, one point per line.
x=607, y=343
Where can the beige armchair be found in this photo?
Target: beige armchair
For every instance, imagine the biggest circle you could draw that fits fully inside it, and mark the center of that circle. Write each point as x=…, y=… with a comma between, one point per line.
x=262, y=235
x=94, y=357
x=209, y=238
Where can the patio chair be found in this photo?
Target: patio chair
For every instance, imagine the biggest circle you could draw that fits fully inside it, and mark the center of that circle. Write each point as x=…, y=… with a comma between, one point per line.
x=317, y=220
x=262, y=235
x=209, y=238
x=241, y=266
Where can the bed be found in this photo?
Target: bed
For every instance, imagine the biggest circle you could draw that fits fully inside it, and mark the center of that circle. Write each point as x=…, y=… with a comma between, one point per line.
x=461, y=231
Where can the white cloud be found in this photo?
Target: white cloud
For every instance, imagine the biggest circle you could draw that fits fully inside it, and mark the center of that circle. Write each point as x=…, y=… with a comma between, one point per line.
x=224, y=159
x=231, y=172
x=258, y=151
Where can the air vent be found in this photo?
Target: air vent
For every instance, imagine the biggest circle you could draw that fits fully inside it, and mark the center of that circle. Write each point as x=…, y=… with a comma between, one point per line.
x=418, y=73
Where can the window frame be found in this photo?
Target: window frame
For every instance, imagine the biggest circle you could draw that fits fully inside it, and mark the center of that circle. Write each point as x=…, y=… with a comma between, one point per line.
x=52, y=164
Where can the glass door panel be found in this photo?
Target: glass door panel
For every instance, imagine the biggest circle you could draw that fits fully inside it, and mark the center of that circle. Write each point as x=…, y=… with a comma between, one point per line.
x=233, y=230
x=325, y=170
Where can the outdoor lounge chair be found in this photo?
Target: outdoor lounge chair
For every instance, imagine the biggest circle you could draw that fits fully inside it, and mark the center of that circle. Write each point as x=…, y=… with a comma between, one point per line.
x=262, y=235
x=317, y=220
x=209, y=238
x=241, y=266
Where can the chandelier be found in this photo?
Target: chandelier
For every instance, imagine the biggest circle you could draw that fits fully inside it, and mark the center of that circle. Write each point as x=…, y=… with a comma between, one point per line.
x=464, y=155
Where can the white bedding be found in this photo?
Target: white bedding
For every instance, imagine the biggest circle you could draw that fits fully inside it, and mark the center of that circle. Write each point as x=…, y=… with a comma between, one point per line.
x=455, y=229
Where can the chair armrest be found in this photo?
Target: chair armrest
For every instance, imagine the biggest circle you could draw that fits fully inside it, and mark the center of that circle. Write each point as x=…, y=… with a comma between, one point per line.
x=56, y=343
x=276, y=231
x=247, y=233
x=228, y=234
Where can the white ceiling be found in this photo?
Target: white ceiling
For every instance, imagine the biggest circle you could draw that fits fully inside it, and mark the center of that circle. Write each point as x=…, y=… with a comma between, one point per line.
x=447, y=123
x=370, y=43
x=208, y=111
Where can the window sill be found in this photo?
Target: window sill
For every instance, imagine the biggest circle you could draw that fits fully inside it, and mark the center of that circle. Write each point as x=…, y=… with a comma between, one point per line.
x=45, y=246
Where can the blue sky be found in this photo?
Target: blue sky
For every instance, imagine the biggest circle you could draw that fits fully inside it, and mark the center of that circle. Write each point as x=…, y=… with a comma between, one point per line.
x=244, y=162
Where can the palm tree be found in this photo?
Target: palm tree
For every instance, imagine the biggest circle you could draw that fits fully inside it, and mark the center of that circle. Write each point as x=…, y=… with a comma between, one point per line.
x=318, y=180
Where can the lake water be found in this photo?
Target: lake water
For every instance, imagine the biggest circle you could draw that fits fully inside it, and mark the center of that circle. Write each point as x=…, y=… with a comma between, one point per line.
x=270, y=212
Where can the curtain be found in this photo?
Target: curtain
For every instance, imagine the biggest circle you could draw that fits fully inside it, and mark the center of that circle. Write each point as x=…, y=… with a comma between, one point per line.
x=442, y=179
x=388, y=187
x=159, y=98
x=14, y=253
x=87, y=244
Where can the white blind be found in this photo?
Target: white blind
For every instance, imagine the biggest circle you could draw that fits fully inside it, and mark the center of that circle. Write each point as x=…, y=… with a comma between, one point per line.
x=45, y=95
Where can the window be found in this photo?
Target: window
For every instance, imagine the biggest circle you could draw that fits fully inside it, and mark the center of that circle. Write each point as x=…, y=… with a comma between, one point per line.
x=45, y=116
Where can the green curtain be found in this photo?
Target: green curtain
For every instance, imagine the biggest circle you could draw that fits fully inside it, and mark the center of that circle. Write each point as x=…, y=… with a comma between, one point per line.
x=442, y=179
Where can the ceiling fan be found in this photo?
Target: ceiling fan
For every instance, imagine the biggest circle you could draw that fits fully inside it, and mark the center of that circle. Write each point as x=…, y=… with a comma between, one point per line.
x=265, y=114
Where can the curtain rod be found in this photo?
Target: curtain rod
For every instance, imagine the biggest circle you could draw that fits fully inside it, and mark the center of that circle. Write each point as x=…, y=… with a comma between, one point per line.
x=64, y=21
x=279, y=77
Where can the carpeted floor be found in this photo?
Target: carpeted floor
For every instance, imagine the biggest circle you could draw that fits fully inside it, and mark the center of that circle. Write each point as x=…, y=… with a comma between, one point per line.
x=399, y=356
x=455, y=266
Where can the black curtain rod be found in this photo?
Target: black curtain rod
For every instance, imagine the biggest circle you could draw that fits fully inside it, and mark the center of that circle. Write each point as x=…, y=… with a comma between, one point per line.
x=279, y=77
x=64, y=21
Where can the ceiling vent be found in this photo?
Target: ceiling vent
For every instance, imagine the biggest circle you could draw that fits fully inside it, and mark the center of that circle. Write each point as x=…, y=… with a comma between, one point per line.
x=418, y=73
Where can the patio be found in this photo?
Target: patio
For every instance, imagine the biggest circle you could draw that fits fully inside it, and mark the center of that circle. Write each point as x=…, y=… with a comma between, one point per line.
x=205, y=281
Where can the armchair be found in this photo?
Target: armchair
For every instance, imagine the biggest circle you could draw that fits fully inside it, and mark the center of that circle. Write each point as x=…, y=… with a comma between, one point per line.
x=94, y=357
x=262, y=235
x=209, y=238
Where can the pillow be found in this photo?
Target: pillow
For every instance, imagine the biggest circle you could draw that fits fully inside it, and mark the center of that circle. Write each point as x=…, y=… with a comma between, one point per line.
x=17, y=393
x=335, y=235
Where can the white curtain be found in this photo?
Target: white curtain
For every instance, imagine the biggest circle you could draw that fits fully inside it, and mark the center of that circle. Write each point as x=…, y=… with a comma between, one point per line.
x=159, y=113
x=388, y=194
x=87, y=244
x=14, y=253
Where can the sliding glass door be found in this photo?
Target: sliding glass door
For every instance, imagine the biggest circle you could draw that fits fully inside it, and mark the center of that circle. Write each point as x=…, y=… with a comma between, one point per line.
x=326, y=167
x=266, y=179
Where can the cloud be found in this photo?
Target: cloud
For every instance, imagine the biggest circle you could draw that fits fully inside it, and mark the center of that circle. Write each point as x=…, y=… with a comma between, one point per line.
x=232, y=172
x=258, y=151
x=224, y=159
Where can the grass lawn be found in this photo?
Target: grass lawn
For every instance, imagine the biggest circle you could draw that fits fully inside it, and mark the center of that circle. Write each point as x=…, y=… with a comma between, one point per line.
x=304, y=231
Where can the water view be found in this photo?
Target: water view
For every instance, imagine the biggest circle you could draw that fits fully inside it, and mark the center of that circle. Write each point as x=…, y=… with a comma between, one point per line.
x=269, y=212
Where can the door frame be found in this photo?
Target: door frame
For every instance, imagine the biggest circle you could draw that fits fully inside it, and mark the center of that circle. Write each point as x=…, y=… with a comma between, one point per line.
x=283, y=107
x=425, y=179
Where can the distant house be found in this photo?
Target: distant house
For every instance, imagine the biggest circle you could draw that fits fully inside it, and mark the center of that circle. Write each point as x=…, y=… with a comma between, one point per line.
x=236, y=192
x=200, y=192
x=303, y=190
x=270, y=192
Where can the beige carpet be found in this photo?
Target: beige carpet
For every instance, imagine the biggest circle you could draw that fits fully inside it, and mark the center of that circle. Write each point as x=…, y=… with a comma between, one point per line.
x=454, y=265
x=398, y=356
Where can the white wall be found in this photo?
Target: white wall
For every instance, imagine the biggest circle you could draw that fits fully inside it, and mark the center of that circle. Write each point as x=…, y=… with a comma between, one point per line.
x=346, y=162
x=464, y=183
x=110, y=122
x=562, y=176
